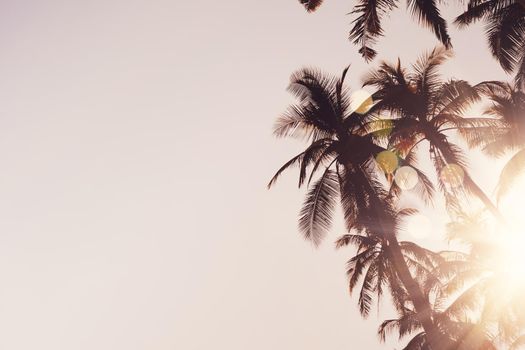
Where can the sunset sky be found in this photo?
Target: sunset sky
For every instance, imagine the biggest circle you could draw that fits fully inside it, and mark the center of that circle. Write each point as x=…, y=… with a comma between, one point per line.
x=135, y=148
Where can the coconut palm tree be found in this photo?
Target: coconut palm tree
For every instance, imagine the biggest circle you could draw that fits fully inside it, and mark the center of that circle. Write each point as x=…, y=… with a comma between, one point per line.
x=455, y=329
x=369, y=14
x=478, y=283
x=373, y=267
x=343, y=151
x=505, y=28
x=508, y=107
x=425, y=108
x=453, y=335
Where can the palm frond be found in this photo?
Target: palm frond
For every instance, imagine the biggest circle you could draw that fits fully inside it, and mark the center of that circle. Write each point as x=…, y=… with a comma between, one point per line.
x=519, y=79
x=301, y=122
x=424, y=256
x=326, y=158
x=368, y=287
x=427, y=13
x=427, y=68
x=303, y=159
x=418, y=342
x=455, y=97
x=367, y=25
x=424, y=187
x=311, y=5
x=506, y=32
x=405, y=325
x=510, y=173
x=316, y=215
x=318, y=95
x=480, y=9
x=362, y=242
x=357, y=265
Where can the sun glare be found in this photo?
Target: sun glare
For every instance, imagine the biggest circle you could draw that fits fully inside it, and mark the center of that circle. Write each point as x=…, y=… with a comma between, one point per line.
x=513, y=259
x=361, y=101
x=511, y=237
x=419, y=226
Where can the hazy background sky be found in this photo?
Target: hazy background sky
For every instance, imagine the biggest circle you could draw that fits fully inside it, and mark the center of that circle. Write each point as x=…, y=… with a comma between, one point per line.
x=135, y=146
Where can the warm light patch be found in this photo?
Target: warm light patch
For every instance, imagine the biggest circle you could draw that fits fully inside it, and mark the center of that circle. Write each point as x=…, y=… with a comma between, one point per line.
x=512, y=259
x=385, y=127
x=511, y=236
x=406, y=178
x=452, y=175
x=418, y=226
x=387, y=161
x=361, y=101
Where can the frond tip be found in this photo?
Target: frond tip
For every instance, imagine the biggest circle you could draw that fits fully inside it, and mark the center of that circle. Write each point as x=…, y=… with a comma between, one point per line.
x=316, y=215
x=510, y=173
x=367, y=25
x=311, y=5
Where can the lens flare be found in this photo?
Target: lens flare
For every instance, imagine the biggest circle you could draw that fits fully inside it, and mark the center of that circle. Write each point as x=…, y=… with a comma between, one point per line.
x=512, y=258
x=511, y=235
x=406, y=178
x=361, y=101
x=387, y=161
x=385, y=127
x=452, y=175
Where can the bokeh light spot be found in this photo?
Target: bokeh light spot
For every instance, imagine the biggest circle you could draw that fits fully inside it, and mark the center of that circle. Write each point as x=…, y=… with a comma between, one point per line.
x=361, y=101
x=406, y=178
x=452, y=175
x=412, y=86
x=387, y=161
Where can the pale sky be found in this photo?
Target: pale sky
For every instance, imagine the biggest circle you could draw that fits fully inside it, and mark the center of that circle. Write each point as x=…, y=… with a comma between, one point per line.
x=135, y=149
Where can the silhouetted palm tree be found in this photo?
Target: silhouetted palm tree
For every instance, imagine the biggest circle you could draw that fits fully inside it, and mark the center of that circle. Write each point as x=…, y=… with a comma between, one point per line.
x=453, y=335
x=374, y=267
x=425, y=108
x=343, y=151
x=367, y=25
x=508, y=107
x=478, y=283
x=454, y=328
x=505, y=28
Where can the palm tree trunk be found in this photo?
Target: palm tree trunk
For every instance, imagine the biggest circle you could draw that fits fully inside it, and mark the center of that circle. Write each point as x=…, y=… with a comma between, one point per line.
x=416, y=295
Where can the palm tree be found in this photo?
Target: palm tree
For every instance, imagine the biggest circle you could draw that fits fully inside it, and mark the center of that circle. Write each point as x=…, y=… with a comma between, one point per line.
x=343, y=150
x=367, y=25
x=373, y=266
x=476, y=284
x=438, y=275
x=505, y=28
x=508, y=107
x=425, y=107
x=453, y=335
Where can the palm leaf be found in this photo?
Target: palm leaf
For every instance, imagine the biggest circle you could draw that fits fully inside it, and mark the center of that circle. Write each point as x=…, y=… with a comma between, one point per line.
x=367, y=288
x=419, y=342
x=518, y=343
x=303, y=159
x=367, y=25
x=478, y=10
x=311, y=5
x=428, y=14
x=316, y=215
x=362, y=242
x=505, y=32
x=510, y=173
